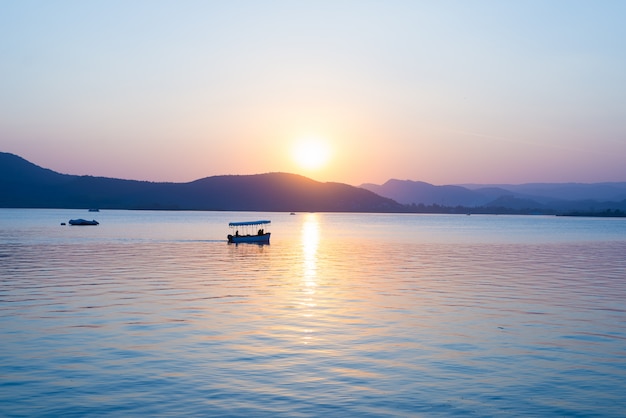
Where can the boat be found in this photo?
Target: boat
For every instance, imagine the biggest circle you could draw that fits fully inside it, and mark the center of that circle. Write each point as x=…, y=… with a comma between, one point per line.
x=83, y=222
x=94, y=210
x=249, y=232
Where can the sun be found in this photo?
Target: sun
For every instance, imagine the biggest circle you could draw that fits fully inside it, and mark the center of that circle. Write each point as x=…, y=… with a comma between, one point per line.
x=311, y=153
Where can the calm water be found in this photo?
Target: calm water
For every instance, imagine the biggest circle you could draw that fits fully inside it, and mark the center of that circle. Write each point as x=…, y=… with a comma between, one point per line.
x=153, y=313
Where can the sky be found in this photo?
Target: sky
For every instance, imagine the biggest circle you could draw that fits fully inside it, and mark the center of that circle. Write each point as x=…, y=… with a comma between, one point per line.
x=447, y=92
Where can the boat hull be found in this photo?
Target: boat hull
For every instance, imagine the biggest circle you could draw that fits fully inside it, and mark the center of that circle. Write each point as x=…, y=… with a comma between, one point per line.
x=82, y=222
x=253, y=239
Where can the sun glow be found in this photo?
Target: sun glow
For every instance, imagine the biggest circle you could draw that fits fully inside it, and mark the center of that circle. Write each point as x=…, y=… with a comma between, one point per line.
x=311, y=153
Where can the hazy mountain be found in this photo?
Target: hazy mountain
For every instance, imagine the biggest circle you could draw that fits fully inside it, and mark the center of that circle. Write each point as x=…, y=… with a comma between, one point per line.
x=23, y=184
x=566, y=191
x=537, y=197
x=408, y=192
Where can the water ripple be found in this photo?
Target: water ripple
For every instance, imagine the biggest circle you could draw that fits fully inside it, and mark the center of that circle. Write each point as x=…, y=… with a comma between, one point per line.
x=345, y=327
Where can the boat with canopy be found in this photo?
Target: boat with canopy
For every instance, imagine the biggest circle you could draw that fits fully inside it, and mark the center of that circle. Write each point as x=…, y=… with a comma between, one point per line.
x=251, y=231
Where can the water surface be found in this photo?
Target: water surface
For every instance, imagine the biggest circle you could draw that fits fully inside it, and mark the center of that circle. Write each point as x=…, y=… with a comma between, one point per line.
x=343, y=314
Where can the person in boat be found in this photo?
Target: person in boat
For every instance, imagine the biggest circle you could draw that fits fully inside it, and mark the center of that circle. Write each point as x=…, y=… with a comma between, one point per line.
x=260, y=231
x=237, y=233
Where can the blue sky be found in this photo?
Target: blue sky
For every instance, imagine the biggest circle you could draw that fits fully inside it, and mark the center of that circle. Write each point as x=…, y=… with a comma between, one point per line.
x=439, y=91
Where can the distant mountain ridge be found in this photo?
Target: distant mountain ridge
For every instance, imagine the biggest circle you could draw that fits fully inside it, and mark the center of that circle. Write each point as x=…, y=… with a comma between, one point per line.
x=541, y=196
x=23, y=184
x=26, y=185
x=606, y=191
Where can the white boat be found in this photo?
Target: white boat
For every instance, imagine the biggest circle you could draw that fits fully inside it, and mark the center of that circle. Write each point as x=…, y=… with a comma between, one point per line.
x=252, y=232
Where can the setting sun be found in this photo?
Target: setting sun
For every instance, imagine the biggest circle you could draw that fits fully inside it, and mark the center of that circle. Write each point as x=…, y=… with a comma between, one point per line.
x=311, y=153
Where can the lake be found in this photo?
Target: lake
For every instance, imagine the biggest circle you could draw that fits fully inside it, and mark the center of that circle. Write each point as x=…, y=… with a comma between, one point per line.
x=369, y=315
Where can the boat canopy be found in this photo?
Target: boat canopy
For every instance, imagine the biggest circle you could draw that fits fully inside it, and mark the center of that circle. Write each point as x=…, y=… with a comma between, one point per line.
x=249, y=223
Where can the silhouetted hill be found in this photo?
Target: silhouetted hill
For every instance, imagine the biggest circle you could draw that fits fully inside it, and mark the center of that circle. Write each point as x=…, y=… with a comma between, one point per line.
x=23, y=184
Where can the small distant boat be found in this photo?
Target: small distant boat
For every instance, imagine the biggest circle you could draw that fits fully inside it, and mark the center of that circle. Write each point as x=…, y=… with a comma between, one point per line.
x=83, y=222
x=94, y=210
x=249, y=232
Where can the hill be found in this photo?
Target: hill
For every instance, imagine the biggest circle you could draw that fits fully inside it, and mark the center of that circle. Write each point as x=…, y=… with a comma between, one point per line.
x=503, y=198
x=24, y=184
x=415, y=192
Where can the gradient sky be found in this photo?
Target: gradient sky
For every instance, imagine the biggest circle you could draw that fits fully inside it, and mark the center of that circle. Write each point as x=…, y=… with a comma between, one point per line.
x=439, y=91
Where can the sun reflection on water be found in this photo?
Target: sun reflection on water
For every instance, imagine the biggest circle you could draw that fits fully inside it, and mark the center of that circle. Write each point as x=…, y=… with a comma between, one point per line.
x=310, y=242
